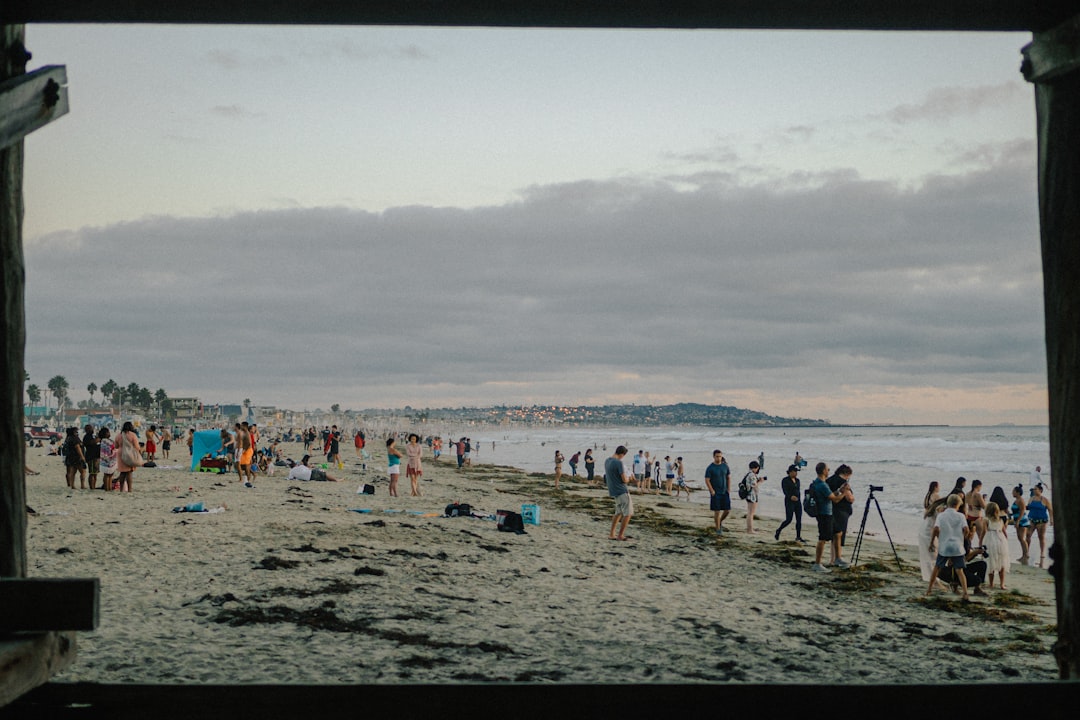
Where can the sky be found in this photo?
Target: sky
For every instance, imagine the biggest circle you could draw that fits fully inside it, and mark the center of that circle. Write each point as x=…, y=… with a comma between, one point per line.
x=821, y=225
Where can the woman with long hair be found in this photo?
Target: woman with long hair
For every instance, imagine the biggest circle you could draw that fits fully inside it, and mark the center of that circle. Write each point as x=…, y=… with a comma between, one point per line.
x=1019, y=518
x=129, y=456
x=1041, y=514
x=932, y=494
x=413, y=469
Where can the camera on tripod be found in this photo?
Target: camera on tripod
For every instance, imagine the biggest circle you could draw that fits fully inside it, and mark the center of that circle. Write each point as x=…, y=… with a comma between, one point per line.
x=877, y=488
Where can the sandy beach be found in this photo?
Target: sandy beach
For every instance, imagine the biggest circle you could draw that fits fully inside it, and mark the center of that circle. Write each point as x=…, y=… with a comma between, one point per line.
x=288, y=584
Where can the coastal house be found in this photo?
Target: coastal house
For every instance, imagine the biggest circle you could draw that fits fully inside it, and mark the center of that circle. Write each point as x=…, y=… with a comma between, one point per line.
x=39, y=617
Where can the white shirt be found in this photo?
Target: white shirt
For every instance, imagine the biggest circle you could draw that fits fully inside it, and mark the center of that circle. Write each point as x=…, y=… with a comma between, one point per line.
x=300, y=472
x=950, y=524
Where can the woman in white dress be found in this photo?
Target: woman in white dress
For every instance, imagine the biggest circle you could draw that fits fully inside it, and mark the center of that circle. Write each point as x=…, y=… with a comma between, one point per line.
x=928, y=556
x=997, y=546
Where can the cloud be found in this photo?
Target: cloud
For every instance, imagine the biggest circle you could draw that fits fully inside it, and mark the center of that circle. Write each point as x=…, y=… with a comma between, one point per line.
x=949, y=102
x=232, y=111
x=596, y=290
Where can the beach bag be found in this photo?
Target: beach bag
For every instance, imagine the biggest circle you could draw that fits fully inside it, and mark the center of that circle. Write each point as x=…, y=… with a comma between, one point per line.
x=510, y=521
x=458, y=510
x=129, y=455
x=809, y=503
x=366, y=489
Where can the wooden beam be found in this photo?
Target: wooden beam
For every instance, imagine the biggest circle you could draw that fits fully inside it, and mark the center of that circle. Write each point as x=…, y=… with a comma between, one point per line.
x=31, y=660
x=42, y=604
x=13, y=59
x=31, y=101
x=1051, y=63
x=982, y=15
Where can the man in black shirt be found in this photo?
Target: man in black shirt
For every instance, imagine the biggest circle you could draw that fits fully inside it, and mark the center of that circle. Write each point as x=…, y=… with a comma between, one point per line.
x=842, y=510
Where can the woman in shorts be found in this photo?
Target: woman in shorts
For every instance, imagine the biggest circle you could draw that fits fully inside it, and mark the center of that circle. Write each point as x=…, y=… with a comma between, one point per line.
x=394, y=464
x=414, y=470
x=1041, y=514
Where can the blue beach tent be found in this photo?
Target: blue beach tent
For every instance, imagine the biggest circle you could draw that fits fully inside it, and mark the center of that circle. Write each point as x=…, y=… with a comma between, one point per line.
x=205, y=441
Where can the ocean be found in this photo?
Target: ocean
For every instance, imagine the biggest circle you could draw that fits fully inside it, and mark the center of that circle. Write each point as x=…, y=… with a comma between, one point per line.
x=901, y=460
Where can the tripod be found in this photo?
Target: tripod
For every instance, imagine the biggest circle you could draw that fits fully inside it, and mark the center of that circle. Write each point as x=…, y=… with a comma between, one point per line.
x=862, y=528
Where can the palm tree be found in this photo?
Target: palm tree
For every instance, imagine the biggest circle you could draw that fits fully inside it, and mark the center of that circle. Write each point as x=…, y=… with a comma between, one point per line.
x=159, y=398
x=58, y=386
x=33, y=393
x=109, y=390
x=92, y=388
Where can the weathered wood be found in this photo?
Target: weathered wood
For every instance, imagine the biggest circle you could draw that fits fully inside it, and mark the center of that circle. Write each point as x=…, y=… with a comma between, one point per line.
x=43, y=604
x=12, y=331
x=28, y=661
x=31, y=101
x=1001, y=15
x=1057, y=101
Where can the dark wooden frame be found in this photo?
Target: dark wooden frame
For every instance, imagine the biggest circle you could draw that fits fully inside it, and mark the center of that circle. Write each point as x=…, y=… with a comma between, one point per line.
x=1050, y=62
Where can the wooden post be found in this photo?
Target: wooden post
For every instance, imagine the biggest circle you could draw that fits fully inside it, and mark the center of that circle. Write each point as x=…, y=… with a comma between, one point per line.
x=13, y=59
x=1052, y=63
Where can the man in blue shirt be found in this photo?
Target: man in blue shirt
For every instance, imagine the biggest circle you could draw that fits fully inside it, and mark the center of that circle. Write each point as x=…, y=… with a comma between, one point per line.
x=825, y=499
x=616, y=486
x=718, y=481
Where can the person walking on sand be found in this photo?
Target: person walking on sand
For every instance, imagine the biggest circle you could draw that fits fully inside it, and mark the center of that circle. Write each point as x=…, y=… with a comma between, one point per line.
x=245, y=453
x=558, y=467
x=718, y=483
x=614, y=473
x=414, y=470
x=393, y=457
x=825, y=498
x=190, y=442
x=950, y=530
x=792, y=506
x=751, y=481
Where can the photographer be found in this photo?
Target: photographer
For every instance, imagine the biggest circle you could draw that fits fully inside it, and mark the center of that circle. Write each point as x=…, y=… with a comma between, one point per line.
x=974, y=572
x=842, y=510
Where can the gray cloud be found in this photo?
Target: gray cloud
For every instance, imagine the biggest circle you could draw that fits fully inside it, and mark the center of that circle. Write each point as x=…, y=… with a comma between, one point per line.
x=578, y=292
x=944, y=103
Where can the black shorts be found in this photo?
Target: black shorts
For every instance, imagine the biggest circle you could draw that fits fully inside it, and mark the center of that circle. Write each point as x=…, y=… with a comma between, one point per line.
x=720, y=502
x=824, y=527
x=839, y=522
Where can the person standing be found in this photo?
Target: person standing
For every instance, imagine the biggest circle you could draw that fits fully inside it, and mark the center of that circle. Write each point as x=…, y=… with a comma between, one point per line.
x=558, y=467
x=842, y=510
x=639, y=470
x=751, y=481
x=151, y=443
x=574, y=463
x=1018, y=518
x=191, y=442
x=129, y=454
x=590, y=466
x=92, y=451
x=107, y=454
x=616, y=486
x=680, y=476
x=414, y=470
x=669, y=471
x=792, y=490
x=459, y=448
x=393, y=458
x=74, y=458
x=245, y=453
x=950, y=530
x=718, y=483
x=166, y=442
x=825, y=499
x=1040, y=514
x=997, y=545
